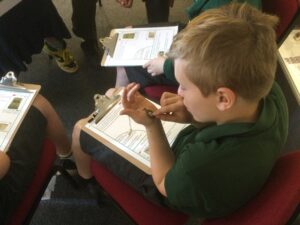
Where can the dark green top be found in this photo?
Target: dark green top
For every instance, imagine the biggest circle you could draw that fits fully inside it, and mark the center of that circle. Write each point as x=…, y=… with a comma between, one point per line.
x=199, y=5
x=193, y=11
x=219, y=168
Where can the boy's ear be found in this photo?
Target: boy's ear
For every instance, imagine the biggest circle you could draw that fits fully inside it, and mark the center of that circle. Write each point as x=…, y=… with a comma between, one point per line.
x=225, y=98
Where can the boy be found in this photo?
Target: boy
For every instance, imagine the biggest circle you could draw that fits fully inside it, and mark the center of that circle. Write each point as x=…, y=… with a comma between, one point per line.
x=225, y=62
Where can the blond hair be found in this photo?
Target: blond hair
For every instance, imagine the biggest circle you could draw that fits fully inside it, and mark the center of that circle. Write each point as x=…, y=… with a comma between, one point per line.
x=233, y=46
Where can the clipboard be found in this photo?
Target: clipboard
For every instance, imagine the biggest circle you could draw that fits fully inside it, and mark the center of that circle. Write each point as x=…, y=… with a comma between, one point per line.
x=125, y=137
x=289, y=59
x=15, y=101
x=136, y=46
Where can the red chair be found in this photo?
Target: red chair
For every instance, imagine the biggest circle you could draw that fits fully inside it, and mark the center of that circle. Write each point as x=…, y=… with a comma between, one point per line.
x=277, y=204
x=286, y=10
x=154, y=92
x=31, y=198
x=140, y=210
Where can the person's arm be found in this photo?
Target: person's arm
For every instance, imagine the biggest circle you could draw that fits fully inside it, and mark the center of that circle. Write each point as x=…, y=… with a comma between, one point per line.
x=161, y=65
x=155, y=66
x=161, y=156
x=169, y=69
x=4, y=164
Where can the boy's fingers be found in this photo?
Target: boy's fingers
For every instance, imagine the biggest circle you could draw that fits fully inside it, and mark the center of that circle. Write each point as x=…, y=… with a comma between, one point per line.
x=132, y=91
x=168, y=101
x=163, y=110
x=165, y=117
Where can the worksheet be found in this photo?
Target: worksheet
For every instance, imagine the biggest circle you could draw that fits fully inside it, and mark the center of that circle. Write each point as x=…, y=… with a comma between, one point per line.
x=289, y=57
x=14, y=104
x=122, y=134
x=136, y=46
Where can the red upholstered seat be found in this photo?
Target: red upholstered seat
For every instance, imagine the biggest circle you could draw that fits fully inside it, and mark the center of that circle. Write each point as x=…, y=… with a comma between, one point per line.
x=285, y=9
x=31, y=198
x=154, y=92
x=135, y=205
x=278, y=200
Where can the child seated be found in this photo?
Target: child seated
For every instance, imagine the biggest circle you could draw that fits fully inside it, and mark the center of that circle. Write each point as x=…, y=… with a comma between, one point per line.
x=225, y=63
x=18, y=164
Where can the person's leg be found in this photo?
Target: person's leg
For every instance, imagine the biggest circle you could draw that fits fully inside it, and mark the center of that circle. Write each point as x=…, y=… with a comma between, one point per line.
x=57, y=48
x=84, y=24
x=82, y=159
x=55, y=129
x=24, y=154
x=121, y=78
x=157, y=10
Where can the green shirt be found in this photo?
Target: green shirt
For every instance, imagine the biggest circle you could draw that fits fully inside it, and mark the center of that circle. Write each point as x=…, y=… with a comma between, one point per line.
x=219, y=168
x=195, y=8
x=193, y=11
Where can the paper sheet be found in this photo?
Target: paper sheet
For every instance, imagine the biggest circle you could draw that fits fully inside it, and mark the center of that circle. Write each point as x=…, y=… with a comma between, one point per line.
x=136, y=46
x=13, y=107
x=131, y=137
x=289, y=53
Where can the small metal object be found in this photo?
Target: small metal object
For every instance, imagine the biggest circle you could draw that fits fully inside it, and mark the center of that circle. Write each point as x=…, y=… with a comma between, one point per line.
x=149, y=113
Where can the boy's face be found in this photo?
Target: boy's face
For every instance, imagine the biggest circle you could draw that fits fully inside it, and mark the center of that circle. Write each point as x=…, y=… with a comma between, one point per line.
x=203, y=109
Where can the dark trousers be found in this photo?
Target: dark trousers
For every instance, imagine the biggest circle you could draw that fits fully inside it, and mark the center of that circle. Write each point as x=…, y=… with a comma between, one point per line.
x=83, y=19
x=157, y=10
x=24, y=154
x=84, y=12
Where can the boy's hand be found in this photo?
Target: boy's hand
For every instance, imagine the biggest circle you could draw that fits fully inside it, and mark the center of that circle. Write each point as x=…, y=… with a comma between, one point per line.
x=173, y=109
x=155, y=66
x=125, y=3
x=136, y=106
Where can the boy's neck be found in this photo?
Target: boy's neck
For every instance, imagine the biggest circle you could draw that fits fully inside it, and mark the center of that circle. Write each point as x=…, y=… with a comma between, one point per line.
x=242, y=112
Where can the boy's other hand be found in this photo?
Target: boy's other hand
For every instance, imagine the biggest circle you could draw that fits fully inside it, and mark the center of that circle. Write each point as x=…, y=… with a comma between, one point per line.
x=155, y=66
x=173, y=109
x=136, y=106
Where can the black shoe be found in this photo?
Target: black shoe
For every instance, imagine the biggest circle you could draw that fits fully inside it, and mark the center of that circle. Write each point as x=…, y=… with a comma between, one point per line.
x=90, y=48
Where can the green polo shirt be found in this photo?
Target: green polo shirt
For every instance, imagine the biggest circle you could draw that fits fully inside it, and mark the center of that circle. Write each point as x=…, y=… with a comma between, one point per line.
x=193, y=11
x=219, y=168
x=199, y=5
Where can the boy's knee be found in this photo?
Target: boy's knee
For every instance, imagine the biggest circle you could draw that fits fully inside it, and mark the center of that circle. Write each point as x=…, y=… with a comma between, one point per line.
x=77, y=128
x=110, y=92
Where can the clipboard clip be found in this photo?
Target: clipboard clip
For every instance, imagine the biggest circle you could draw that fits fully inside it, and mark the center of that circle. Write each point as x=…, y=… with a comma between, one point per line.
x=109, y=43
x=9, y=81
x=103, y=104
